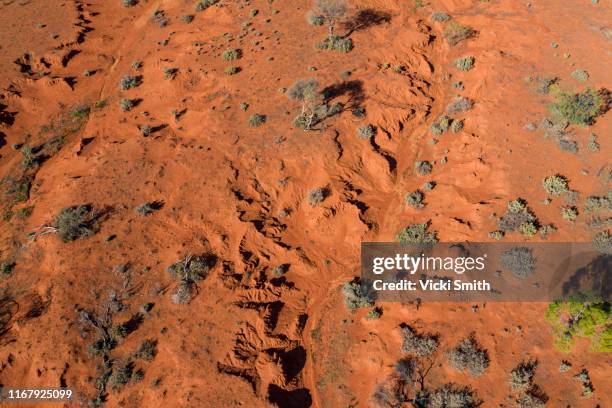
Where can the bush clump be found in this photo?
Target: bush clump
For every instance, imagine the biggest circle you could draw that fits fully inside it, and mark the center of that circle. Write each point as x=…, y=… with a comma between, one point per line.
x=454, y=33
x=202, y=5
x=257, y=120
x=439, y=17
x=465, y=63
x=420, y=345
x=415, y=199
x=518, y=217
x=357, y=295
x=147, y=350
x=336, y=43
x=521, y=377
x=451, y=396
x=231, y=54
x=441, y=125
x=422, y=167
x=520, y=261
x=126, y=105
x=555, y=185
x=317, y=195
x=469, y=356
x=459, y=104
x=580, y=108
x=602, y=242
x=129, y=3
x=129, y=82
x=192, y=268
x=366, y=132
x=79, y=221
x=417, y=234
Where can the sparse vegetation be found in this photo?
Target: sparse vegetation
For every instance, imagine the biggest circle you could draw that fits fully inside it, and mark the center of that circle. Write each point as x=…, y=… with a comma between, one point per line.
x=519, y=217
x=76, y=222
x=569, y=213
x=457, y=126
x=580, y=75
x=129, y=3
x=374, y=314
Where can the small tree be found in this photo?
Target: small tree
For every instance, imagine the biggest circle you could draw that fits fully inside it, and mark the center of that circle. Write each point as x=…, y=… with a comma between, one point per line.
x=305, y=91
x=332, y=11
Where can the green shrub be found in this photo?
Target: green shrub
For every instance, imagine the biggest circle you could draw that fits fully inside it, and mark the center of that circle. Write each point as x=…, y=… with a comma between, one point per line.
x=590, y=319
x=454, y=33
x=76, y=222
x=315, y=19
x=601, y=203
x=415, y=199
x=129, y=3
x=465, y=63
x=257, y=120
x=417, y=234
x=145, y=130
x=336, y=43
x=555, y=185
x=357, y=295
x=6, y=268
x=580, y=108
x=580, y=75
x=231, y=54
x=129, y=82
x=121, y=375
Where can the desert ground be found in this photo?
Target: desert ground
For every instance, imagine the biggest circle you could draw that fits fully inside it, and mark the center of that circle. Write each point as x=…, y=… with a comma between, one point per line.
x=179, y=218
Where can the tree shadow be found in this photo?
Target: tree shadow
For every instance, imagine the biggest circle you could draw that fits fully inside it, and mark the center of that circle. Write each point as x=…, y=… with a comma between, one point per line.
x=352, y=89
x=365, y=19
x=6, y=118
